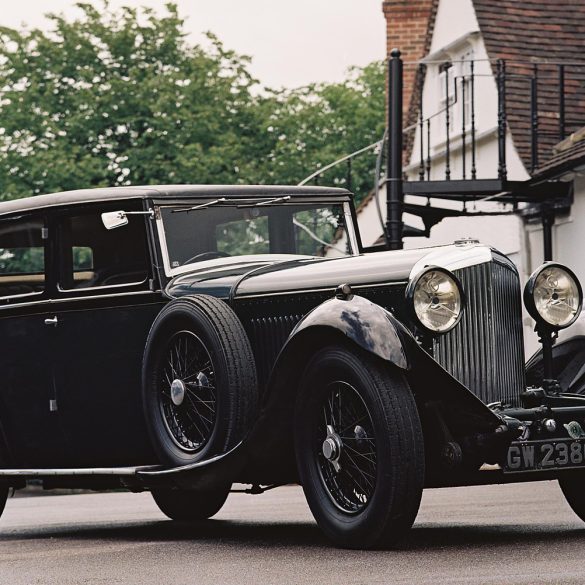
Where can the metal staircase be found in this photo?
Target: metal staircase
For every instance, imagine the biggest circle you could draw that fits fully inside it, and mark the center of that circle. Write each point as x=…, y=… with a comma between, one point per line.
x=542, y=98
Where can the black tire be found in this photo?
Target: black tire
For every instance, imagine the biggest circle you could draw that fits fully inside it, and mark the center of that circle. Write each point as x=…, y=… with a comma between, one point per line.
x=373, y=499
x=188, y=505
x=209, y=405
x=4, y=489
x=573, y=488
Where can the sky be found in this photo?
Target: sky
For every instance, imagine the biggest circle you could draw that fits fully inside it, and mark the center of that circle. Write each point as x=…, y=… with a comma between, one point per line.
x=291, y=42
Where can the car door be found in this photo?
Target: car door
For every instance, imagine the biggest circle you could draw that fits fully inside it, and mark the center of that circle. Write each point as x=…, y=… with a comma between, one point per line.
x=105, y=307
x=29, y=423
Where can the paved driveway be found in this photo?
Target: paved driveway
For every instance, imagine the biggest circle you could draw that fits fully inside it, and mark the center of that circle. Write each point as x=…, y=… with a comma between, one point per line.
x=487, y=535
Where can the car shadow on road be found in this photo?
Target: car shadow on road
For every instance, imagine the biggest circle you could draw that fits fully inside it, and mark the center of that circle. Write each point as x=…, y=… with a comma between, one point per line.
x=265, y=535
x=440, y=536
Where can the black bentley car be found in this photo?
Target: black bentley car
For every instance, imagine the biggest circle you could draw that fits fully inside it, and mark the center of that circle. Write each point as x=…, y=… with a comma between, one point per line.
x=180, y=339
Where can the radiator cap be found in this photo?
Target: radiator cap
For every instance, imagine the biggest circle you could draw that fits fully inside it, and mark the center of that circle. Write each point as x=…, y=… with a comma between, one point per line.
x=465, y=241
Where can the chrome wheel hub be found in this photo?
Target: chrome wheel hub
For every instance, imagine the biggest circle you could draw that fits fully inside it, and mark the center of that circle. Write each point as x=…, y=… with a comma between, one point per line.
x=186, y=391
x=178, y=392
x=332, y=448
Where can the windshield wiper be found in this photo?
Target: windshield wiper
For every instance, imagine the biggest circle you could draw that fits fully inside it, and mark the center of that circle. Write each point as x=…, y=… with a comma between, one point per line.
x=202, y=206
x=240, y=202
x=260, y=202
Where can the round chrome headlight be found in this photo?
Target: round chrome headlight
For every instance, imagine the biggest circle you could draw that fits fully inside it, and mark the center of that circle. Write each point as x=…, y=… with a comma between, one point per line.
x=436, y=298
x=553, y=296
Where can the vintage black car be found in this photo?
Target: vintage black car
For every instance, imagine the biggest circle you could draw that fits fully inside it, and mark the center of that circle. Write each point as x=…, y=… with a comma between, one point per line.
x=180, y=339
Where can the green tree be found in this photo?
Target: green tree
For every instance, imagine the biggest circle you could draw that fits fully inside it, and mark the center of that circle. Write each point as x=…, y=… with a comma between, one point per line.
x=114, y=98
x=318, y=124
x=120, y=97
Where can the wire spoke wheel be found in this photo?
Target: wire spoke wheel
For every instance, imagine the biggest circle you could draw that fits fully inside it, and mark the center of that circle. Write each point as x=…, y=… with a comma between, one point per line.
x=345, y=447
x=199, y=385
x=187, y=391
x=359, y=447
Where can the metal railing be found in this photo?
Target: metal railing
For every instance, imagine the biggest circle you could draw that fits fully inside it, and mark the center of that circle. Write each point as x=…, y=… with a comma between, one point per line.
x=541, y=102
x=347, y=159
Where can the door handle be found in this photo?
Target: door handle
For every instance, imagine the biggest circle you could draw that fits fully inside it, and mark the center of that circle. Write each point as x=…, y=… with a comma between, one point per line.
x=54, y=321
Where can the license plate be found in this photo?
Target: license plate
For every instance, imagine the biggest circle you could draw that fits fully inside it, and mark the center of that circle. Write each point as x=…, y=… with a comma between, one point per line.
x=543, y=455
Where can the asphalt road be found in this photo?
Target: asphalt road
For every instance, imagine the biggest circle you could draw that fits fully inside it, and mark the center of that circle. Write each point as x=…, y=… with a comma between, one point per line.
x=515, y=534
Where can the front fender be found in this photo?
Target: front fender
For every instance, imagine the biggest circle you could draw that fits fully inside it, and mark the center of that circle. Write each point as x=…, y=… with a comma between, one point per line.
x=377, y=331
x=365, y=323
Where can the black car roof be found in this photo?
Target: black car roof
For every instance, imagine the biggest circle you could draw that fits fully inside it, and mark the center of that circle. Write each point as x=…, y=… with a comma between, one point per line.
x=163, y=191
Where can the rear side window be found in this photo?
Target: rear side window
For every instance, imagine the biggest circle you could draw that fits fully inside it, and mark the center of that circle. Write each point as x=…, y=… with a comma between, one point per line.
x=92, y=256
x=22, y=257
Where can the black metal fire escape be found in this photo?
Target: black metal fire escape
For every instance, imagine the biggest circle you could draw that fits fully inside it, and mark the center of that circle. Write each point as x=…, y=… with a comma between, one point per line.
x=547, y=87
x=544, y=196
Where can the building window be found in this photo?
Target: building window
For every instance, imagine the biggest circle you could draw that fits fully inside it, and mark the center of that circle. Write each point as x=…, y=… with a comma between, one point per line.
x=447, y=93
x=464, y=109
x=455, y=94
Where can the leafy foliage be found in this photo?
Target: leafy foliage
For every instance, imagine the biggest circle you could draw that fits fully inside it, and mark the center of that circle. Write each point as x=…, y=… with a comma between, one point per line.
x=22, y=260
x=120, y=97
x=316, y=125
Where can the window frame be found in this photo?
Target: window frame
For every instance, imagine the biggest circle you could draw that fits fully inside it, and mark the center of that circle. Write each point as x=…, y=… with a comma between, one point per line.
x=28, y=298
x=102, y=290
x=454, y=68
x=348, y=211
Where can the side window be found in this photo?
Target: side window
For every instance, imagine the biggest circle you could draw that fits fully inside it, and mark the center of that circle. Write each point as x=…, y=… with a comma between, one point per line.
x=22, y=257
x=92, y=256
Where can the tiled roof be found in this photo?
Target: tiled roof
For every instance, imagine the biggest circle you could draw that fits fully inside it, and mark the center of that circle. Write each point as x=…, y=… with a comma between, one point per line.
x=548, y=32
x=567, y=155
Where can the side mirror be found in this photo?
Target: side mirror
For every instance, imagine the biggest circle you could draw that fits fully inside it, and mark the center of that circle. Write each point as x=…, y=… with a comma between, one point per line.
x=114, y=219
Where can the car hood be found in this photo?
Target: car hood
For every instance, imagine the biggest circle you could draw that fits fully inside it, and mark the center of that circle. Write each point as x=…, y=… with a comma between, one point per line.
x=253, y=275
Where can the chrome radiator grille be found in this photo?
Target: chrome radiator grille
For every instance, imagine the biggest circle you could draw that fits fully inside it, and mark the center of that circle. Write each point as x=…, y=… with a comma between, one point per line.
x=485, y=351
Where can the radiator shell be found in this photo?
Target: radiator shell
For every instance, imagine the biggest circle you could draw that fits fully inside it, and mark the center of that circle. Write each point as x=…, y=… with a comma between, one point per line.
x=485, y=351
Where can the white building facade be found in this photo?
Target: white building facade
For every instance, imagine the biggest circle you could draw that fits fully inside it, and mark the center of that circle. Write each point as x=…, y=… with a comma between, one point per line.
x=456, y=52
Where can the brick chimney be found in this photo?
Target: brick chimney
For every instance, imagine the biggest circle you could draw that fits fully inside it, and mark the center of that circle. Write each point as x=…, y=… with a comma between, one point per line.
x=409, y=26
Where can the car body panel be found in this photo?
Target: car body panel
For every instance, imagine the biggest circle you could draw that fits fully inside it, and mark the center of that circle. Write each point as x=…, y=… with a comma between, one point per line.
x=82, y=399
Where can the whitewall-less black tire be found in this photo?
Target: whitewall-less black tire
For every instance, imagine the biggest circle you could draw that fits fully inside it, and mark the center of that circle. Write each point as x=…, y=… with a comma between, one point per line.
x=188, y=505
x=359, y=448
x=199, y=380
x=573, y=488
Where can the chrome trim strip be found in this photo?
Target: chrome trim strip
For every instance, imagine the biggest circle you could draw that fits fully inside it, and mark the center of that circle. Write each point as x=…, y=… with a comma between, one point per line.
x=163, y=242
x=160, y=471
x=51, y=302
x=351, y=231
x=330, y=289
x=103, y=287
x=454, y=258
x=117, y=471
x=28, y=295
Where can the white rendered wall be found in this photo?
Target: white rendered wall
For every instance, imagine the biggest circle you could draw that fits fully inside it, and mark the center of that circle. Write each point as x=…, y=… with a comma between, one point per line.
x=567, y=239
x=454, y=19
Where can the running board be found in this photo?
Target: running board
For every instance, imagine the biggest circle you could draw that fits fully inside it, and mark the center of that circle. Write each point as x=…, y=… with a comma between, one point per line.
x=186, y=469
x=207, y=473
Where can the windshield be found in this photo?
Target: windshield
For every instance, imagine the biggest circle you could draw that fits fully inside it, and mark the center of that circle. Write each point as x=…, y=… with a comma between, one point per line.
x=222, y=228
